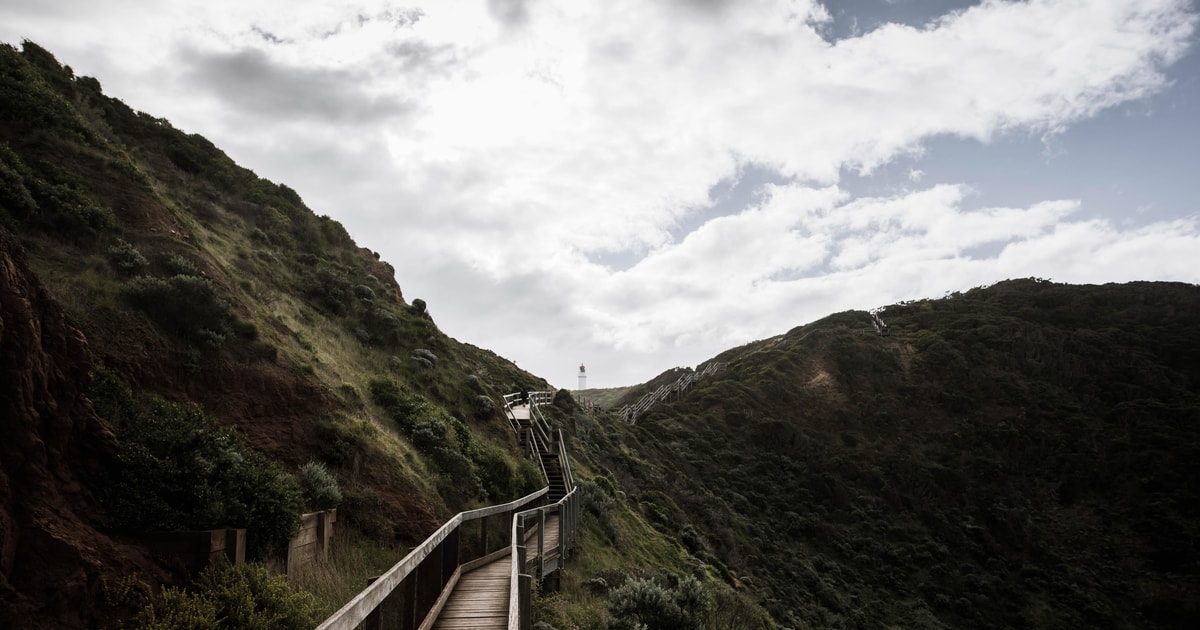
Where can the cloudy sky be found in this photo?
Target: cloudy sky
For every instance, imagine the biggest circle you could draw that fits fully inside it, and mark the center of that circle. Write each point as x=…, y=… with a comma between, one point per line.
x=638, y=185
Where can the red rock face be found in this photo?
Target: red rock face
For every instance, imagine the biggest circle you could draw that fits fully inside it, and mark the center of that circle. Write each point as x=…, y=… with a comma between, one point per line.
x=53, y=560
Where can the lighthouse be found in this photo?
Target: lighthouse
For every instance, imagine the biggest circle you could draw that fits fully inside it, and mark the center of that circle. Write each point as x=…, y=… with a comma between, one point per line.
x=582, y=377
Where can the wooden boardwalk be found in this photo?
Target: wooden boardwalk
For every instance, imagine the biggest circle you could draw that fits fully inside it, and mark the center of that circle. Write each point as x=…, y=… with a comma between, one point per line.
x=444, y=583
x=480, y=599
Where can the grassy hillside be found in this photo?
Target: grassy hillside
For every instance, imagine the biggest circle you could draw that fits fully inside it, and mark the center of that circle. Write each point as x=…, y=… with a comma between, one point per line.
x=198, y=281
x=224, y=316
x=1023, y=455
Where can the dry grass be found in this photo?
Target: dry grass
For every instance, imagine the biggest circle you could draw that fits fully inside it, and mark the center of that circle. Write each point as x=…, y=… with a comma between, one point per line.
x=352, y=560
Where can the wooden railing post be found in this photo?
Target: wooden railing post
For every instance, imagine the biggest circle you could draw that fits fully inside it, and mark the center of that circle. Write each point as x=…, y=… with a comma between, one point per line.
x=525, y=586
x=483, y=536
x=541, y=572
x=406, y=602
x=450, y=559
x=429, y=582
x=374, y=620
x=519, y=543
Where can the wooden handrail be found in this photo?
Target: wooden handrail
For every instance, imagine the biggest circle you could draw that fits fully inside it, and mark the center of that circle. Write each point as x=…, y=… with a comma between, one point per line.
x=663, y=391
x=568, y=510
x=411, y=578
x=368, y=601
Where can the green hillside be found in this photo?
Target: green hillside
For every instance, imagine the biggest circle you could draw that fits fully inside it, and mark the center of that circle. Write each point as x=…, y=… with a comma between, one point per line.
x=1023, y=455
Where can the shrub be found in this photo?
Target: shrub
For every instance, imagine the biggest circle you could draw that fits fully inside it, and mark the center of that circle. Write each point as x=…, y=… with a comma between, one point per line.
x=329, y=291
x=597, y=495
x=404, y=408
x=177, y=609
x=180, y=265
x=15, y=199
x=63, y=203
x=484, y=407
x=496, y=473
x=175, y=469
x=248, y=596
x=425, y=358
x=319, y=487
x=232, y=597
x=126, y=259
x=187, y=306
x=645, y=603
x=338, y=443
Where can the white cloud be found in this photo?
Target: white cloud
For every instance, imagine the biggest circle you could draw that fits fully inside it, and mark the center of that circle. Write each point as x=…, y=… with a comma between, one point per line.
x=490, y=150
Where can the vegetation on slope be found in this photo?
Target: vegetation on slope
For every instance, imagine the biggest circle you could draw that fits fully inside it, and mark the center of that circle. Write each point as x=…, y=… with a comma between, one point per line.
x=239, y=337
x=1022, y=455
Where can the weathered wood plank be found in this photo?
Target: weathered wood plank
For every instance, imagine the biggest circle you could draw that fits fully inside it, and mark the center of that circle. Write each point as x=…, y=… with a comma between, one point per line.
x=480, y=599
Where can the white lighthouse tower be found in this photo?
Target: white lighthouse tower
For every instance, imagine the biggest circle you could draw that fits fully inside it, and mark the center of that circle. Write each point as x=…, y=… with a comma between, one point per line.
x=582, y=377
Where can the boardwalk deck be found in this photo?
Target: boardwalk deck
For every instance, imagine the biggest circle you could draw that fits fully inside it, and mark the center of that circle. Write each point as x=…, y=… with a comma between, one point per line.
x=550, y=540
x=479, y=600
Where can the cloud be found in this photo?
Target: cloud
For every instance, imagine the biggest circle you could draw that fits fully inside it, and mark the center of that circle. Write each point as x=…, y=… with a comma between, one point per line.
x=249, y=80
x=496, y=153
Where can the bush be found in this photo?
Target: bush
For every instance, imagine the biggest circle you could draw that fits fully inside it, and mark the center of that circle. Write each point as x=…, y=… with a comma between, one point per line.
x=184, y=305
x=597, y=495
x=180, y=265
x=126, y=259
x=329, y=291
x=404, y=408
x=177, y=609
x=248, y=596
x=339, y=444
x=425, y=358
x=645, y=603
x=484, y=407
x=69, y=211
x=175, y=469
x=319, y=487
x=232, y=597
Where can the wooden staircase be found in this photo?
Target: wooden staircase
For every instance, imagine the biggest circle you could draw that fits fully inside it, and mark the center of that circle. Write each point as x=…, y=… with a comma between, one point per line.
x=554, y=476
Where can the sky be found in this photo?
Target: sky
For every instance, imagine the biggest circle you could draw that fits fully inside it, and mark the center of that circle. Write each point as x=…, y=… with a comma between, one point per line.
x=638, y=185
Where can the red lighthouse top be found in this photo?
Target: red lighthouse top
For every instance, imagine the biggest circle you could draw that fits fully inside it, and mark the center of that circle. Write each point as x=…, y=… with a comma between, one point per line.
x=582, y=369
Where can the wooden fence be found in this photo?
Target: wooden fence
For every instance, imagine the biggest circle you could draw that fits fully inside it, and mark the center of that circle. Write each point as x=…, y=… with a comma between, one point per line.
x=195, y=551
x=312, y=541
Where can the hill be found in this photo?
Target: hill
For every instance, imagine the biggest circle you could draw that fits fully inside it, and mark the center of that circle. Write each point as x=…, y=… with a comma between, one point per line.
x=1021, y=455
x=195, y=329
